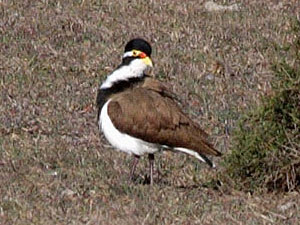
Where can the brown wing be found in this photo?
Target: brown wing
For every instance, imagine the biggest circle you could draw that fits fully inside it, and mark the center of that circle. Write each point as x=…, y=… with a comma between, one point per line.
x=147, y=115
x=157, y=86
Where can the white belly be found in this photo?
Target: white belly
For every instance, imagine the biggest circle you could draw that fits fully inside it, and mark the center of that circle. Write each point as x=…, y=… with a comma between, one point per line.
x=122, y=141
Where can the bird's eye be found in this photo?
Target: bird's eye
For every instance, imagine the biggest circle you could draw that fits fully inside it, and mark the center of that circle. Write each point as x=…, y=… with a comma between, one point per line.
x=135, y=53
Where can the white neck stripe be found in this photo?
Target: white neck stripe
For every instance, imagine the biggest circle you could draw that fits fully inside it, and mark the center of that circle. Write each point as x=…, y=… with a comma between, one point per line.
x=135, y=69
x=127, y=54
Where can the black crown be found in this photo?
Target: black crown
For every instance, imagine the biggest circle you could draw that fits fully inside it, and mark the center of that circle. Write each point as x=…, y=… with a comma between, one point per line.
x=139, y=44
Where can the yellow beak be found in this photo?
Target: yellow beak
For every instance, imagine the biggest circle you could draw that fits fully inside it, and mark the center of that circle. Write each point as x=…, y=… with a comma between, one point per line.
x=147, y=60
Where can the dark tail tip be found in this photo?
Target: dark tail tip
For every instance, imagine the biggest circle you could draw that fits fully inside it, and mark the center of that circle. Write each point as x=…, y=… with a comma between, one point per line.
x=208, y=161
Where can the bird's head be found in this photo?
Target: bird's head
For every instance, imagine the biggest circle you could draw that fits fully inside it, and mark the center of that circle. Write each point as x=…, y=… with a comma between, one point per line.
x=136, y=59
x=138, y=51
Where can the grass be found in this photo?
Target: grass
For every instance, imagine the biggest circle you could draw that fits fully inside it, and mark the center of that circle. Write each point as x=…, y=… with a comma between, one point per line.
x=55, y=168
x=265, y=151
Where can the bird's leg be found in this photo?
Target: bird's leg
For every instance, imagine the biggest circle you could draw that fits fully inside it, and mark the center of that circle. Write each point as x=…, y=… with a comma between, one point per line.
x=134, y=163
x=151, y=161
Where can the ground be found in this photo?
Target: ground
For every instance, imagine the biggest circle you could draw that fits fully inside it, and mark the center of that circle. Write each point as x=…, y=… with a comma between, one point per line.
x=55, y=167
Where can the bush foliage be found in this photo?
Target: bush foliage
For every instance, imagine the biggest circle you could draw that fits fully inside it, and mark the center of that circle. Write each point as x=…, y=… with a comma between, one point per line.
x=266, y=145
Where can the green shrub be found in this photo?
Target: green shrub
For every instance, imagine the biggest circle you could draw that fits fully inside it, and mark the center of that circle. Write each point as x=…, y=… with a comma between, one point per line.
x=266, y=145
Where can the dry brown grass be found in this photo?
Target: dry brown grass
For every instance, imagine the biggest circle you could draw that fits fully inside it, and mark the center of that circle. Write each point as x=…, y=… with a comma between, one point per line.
x=54, y=169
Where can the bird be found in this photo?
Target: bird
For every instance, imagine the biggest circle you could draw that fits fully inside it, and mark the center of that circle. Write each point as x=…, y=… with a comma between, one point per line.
x=139, y=115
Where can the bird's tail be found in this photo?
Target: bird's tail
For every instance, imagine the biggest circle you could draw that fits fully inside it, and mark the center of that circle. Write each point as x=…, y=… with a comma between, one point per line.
x=207, y=148
x=199, y=156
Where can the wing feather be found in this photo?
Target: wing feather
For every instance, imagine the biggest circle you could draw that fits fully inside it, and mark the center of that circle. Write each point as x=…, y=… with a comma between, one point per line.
x=146, y=114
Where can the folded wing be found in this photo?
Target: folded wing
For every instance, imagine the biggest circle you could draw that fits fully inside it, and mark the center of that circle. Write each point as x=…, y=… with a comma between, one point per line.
x=146, y=114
